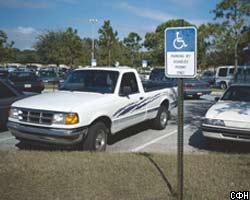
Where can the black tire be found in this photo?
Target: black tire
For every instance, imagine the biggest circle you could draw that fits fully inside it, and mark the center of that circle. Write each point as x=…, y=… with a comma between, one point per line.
x=223, y=85
x=158, y=122
x=96, y=139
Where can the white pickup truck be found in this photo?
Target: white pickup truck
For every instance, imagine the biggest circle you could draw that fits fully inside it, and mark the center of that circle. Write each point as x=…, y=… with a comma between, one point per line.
x=91, y=104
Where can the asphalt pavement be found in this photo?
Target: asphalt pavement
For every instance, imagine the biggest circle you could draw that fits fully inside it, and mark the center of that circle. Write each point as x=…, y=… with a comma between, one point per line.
x=142, y=138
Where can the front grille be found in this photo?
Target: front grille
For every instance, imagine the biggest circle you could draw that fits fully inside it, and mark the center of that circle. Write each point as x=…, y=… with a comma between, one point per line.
x=36, y=117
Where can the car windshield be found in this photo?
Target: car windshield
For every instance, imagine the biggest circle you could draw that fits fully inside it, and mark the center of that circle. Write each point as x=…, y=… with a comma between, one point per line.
x=47, y=74
x=22, y=76
x=237, y=93
x=99, y=81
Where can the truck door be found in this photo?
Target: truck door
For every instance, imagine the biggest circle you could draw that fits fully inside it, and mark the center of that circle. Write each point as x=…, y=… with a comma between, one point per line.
x=130, y=112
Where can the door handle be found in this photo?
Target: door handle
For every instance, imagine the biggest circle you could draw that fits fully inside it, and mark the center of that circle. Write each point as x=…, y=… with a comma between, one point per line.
x=141, y=98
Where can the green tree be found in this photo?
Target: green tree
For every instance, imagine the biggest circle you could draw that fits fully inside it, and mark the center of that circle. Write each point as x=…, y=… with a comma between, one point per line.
x=85, y=57
x=5, y=47
x=49, y=47
x=235, y=15
x=209, y=36
x=72, y=46
x=59, y=47
x=26, y=56
x=108, y=40
x=133, y=43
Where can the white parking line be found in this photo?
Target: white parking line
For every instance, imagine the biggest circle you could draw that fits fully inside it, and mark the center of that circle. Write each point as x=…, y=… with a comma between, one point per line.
x=5, y=139
x=155, y=140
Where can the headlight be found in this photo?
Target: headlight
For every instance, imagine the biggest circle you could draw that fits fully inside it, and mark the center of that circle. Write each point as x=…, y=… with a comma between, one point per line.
x=58, y=119
x=215, y=122
x=14, y=113
x=68, y=119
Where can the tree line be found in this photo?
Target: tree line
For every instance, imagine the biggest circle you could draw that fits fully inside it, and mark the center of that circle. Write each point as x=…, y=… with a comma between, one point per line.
x=224, y=42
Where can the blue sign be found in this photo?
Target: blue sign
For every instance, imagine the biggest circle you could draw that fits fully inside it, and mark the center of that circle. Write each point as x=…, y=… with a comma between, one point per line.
x=181, y=52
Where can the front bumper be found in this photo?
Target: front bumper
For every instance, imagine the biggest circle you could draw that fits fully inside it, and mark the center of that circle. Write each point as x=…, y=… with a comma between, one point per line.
x=47, y=135
x=226, y=133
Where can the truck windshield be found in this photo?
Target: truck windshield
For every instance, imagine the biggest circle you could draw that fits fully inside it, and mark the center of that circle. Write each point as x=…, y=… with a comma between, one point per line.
x=99, y=81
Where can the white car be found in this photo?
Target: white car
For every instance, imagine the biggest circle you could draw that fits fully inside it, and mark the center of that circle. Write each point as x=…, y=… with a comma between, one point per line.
x=92, y=103
x=229, y=118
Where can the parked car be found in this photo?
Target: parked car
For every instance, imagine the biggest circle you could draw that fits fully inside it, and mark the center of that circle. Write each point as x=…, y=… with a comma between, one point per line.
x=229, y=118
x=225, y=75
x=192, y=87
x=208, y=76
x=158, y=74
x=11, y=68
x=4, y=73
x=32, y=68
x=243, y=75
x=26, y=81
x=63, y=72
x=91, y=104
x=49, y=76
x=8, y=94
x=195, y=88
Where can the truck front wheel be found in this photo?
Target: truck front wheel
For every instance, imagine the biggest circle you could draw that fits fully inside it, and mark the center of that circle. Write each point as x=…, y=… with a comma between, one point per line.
x=96, y=139
x=161, y=120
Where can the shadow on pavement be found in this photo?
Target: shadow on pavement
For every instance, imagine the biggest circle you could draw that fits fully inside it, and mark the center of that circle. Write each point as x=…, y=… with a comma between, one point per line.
x=195, y=111
x=129, y=132
x=197, y=140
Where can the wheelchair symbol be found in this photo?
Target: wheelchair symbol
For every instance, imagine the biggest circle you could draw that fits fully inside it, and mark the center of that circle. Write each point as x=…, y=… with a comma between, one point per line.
x=178, y=42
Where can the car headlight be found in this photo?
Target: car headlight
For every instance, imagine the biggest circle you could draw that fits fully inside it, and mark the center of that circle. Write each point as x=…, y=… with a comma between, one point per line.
x=15, y=113
x=67, y=119
x=215, y=122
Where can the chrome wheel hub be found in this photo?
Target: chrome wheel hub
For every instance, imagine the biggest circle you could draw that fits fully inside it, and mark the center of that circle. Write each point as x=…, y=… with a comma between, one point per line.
x=163, y=118
x=100, y=140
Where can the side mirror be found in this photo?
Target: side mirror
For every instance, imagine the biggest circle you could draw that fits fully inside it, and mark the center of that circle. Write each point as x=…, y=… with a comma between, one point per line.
x=126, y=91
x=216, y=99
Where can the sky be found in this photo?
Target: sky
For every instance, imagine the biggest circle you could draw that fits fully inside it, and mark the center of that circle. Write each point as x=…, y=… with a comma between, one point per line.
x=24, y=20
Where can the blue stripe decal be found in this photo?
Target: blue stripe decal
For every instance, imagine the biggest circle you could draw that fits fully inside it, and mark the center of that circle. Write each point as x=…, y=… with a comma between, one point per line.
x=137, y=105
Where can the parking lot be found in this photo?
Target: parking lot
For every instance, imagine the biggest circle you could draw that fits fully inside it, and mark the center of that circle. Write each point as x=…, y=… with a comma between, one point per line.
x=141, y=138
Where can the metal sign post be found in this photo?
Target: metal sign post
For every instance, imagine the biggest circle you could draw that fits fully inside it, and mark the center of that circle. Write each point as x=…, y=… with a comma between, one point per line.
x=180, y=140
x=180, y=62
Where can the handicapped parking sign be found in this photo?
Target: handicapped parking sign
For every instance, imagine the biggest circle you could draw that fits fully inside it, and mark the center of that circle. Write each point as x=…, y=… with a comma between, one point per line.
x=181, y=52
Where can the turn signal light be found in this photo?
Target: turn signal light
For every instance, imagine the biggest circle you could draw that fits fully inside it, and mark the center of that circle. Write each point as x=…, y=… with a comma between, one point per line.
x=71, y=119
